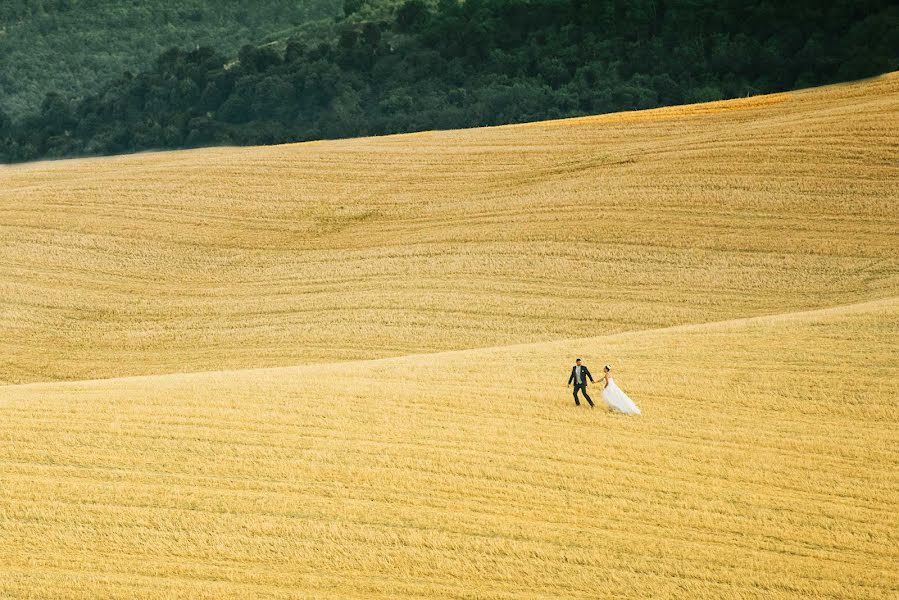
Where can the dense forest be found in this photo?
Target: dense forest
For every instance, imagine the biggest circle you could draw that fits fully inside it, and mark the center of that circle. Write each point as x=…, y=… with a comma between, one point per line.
x=448, y=64
x=71, y=47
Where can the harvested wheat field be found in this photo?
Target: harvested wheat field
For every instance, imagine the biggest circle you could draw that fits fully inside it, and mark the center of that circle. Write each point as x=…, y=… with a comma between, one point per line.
x=337, y=369
x=359, y=249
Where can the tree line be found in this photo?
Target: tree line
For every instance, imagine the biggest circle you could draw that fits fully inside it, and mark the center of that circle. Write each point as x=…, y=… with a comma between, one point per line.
x=73, y=47
x=450, y=64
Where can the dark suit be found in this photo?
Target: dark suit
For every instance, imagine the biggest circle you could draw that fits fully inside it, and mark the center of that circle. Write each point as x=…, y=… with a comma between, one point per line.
x=582, y=386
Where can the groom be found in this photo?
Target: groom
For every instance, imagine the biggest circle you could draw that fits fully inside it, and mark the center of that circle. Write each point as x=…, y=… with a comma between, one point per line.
x=579, y=375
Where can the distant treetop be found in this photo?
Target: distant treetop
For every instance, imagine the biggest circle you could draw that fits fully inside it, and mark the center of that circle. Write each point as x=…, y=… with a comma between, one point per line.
x=388, y=67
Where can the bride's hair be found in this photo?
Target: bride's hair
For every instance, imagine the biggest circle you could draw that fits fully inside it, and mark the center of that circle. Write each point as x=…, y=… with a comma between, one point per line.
x=608, y=367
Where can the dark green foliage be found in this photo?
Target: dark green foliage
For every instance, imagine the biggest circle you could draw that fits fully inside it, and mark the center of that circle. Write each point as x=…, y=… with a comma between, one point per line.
x=74, y=46
x=446, y=64
x=412, y=15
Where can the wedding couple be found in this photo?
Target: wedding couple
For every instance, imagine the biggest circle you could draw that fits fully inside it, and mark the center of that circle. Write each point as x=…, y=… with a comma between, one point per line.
x=611, y=393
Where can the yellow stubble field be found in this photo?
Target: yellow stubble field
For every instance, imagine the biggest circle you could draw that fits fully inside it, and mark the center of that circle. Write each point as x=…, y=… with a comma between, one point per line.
x=358, y=249
x=338, y=369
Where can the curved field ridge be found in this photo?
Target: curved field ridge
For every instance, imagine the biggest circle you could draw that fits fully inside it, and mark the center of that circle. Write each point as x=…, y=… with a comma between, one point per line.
x=337, y=369
x=765, y=466
x=261, y=257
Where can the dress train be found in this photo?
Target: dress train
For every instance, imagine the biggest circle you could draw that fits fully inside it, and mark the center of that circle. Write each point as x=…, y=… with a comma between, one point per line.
x=618, y=400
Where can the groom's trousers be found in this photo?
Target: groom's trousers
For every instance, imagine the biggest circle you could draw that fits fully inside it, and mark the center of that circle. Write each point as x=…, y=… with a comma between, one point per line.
x=582, y=387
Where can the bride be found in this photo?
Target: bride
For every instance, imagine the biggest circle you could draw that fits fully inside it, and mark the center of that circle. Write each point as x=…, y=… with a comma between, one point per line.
x=615, y=398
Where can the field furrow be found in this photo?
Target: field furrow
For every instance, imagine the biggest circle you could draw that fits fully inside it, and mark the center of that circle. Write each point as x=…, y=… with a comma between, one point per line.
x=430, y=475
x=230, y=258
x=338, y=369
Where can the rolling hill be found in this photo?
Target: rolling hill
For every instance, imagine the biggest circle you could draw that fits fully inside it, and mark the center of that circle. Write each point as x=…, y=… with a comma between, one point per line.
x=764, y=466
x=337, y=369
x=275, y=256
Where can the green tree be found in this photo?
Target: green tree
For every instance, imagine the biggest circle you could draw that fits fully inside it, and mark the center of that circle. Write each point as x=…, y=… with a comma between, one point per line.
x=407, y=65
x=411, y=15
x=5, y=125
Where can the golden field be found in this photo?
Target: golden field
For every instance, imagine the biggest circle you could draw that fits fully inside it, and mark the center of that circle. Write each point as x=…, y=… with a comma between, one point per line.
x=337, y=369
x=358, y=249
x=764, y=466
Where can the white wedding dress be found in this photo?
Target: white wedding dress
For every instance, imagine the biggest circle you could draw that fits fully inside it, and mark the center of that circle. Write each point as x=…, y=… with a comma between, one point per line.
x=618, y=400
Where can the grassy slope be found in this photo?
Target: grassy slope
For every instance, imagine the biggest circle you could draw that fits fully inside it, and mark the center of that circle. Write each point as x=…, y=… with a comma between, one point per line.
x=765, y=465
x=234, y=258
x=75, y=49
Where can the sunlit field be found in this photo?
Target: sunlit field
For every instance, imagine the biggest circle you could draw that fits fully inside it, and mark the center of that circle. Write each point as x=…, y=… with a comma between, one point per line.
x=338, y=369
x=258, y=257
